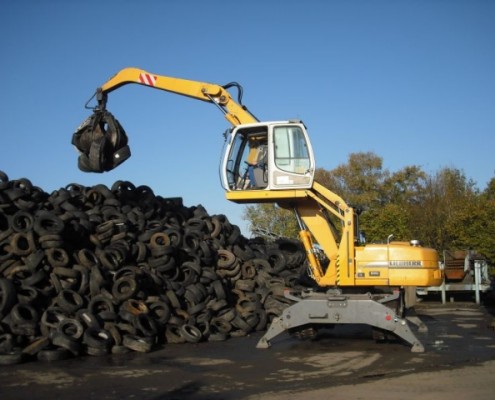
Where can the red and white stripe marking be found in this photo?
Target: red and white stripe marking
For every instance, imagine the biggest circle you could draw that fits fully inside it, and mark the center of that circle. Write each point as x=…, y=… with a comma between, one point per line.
x=147, y=79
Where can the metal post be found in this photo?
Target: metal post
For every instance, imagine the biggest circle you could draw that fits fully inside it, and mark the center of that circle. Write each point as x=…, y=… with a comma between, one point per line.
x=444, y=294
x=477, y=280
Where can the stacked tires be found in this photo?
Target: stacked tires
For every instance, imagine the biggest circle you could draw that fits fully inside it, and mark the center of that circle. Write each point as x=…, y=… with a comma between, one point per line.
x=98, y=270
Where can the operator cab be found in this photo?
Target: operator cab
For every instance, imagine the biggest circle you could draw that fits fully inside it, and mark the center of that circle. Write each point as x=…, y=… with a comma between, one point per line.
x=267, y=156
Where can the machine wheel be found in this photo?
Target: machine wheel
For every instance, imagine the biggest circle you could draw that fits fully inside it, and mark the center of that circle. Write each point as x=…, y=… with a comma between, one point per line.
x=382, y=336
x=306, y=332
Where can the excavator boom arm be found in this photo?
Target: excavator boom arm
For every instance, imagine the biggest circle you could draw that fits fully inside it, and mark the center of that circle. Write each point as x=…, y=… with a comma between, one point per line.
x=313, y=207
x=101, y=140
x=234, y=112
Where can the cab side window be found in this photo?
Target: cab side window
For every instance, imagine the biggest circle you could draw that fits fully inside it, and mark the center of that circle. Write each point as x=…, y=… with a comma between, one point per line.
x=291, y=150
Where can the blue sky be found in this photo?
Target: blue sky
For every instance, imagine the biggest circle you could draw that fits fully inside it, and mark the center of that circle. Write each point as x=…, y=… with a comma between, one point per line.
x=412, y=81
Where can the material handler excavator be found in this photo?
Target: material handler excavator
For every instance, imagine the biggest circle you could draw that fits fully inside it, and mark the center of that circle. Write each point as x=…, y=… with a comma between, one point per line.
x=356, y=283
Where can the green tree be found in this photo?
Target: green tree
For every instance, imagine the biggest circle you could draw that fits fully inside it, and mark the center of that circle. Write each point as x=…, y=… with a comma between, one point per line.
x=359, y=181
x=380, y=222
x=269, y=220
x=405, y=186
x=435, y=220
x=475, y=224
x=400, y=191
x=489, y=192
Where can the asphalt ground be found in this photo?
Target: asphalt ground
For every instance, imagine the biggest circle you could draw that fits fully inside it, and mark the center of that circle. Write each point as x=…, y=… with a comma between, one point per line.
x=344, y=362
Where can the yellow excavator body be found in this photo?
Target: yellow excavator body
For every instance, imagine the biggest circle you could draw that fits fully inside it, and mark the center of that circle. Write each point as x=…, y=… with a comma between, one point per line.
x=271, y=162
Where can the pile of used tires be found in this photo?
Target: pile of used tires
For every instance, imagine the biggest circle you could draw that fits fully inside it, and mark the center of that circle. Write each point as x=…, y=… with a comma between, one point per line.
x=98, y=270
